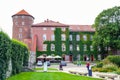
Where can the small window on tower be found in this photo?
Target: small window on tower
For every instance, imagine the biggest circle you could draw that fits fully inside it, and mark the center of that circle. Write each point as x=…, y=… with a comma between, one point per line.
x=23, y=23
x=20, y=29
x=23, y=17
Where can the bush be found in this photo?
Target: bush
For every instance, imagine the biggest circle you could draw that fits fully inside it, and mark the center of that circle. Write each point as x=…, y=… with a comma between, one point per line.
x=118, y=71
x=110, y=67
x=5, y=54
x=114, y=59
x=99, y=65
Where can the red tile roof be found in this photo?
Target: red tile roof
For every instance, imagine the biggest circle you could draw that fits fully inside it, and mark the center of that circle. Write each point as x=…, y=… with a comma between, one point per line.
x=49, y=23
x=23, y=12
x=83, y=28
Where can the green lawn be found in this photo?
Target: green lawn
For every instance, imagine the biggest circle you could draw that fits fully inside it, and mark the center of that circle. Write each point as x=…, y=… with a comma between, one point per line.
x=49, y=69
x=48, y=76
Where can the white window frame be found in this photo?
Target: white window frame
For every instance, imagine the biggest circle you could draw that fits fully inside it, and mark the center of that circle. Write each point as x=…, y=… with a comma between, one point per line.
x=71, y=47
x=91, y=47
x=44, y=37
x=44, y=47
x=85, y=47
x=52, y=47
x=23, y=23
x=63, y=47
x=78, y=49
x=20, y=36
x=63, y=29
x=70, y=37
x=20, y=29
x=63, y=37
x=44, y=28
x=53, y=28
x=85, y=37
x=52, y=37
x=77, y=37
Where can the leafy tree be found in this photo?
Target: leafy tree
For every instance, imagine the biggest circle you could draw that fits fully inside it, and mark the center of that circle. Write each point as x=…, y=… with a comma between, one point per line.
x=107, y=25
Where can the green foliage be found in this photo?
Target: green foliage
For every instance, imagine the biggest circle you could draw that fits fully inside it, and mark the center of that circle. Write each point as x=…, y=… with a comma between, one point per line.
x=5, y=54
x=19, y=56
x=118, y=71
x=114, y=59
x=107, y=29
x=110, y=67
x=99, y=65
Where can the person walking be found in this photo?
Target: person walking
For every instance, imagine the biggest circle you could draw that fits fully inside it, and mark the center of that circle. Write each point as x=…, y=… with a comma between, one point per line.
x=87, y=65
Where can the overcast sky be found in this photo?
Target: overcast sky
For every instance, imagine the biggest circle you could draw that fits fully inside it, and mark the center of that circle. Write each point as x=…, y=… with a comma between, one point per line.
x=64, y=11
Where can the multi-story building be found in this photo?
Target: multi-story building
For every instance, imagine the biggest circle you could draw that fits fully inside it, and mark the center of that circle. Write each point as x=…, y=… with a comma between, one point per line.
x=73, y=42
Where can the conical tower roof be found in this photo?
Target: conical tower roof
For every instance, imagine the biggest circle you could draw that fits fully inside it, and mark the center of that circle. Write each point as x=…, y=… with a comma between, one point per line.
x=23, y=12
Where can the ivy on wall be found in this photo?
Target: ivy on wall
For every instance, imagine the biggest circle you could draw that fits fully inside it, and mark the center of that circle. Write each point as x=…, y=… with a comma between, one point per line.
x=58, y=43
x=81, y=44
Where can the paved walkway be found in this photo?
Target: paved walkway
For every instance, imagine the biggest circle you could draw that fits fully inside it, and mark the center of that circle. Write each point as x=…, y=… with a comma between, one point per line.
x=82, y=68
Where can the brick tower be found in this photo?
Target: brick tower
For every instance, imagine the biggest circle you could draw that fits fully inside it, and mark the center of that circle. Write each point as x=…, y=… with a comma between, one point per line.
x=22, y=22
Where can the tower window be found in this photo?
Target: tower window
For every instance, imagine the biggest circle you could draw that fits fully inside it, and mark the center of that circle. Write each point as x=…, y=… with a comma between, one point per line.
x=20, y=29
x=23, y=23
x=23, y=17
x=20, y=36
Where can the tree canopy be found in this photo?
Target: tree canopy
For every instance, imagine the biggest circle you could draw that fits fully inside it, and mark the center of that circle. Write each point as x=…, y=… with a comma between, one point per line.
x=107, y=25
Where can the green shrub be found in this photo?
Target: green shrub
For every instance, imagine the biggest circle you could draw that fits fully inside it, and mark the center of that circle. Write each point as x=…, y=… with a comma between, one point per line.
x=114, y=59
x=110, y=67
x=99, y=65
x=5, y=54
x=118, y=71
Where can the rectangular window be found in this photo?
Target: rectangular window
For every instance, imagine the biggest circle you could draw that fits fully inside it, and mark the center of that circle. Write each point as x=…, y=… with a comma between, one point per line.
x=52, y=28
x=91, y=37
x=44, y=37
x=63, y=37
x=44, y=47
x=84, y=37
x=71, y=47
x=63, y=47
x=20, y=29
x=85, y=47
x=63, y=29
x=44, y=28
x=78, y=48
x=91, y=48
x=52, y=37
x=20, y=36
x=23, y=23
x=70, y=37
x=77, y=37
x=52, y=47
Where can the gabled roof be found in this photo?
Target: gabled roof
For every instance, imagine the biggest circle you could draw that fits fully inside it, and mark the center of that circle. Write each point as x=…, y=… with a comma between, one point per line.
x=49, y=23
x=82, y=28
x=23, y=12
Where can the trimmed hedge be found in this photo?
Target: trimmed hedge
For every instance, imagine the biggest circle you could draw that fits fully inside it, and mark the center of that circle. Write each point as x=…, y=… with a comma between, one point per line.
x=5, y=54
x=19, y=56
